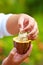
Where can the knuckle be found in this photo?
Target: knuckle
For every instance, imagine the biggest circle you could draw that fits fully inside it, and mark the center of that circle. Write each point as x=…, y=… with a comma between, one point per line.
x=11, y=53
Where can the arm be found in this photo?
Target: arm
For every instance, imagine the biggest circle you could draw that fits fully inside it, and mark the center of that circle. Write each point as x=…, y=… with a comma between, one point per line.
x=12, y=24
x=8, y=24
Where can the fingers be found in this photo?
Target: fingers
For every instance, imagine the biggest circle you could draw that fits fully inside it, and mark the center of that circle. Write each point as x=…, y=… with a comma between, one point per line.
x=20, y=22
x=25, y=23
x=30, y=24
x=28, y=28
x=12, y=53
x=34, y=33
x=34, y=29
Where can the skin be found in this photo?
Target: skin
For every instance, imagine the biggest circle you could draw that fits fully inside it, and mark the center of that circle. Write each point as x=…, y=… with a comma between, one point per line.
x=12, y=24
x=16, y=59
x=22, y=23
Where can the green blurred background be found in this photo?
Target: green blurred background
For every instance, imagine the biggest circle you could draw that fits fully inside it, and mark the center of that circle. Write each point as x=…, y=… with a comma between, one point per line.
x=35, y=9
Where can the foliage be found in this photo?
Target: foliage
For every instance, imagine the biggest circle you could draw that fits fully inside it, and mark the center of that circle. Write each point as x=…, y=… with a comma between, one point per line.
x=33, y=8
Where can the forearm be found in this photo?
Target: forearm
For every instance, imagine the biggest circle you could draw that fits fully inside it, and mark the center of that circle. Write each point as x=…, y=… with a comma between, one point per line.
x=12, y=24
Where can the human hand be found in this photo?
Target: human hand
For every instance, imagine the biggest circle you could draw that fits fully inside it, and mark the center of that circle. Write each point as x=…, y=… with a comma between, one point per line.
x=16, y=59
x=28, y=24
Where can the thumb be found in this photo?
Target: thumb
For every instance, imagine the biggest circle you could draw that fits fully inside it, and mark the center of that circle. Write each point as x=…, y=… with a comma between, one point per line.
x=12, y=53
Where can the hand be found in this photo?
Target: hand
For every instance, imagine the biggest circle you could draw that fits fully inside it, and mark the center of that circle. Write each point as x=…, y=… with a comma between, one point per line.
x=16, y=59
x=28, y=24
